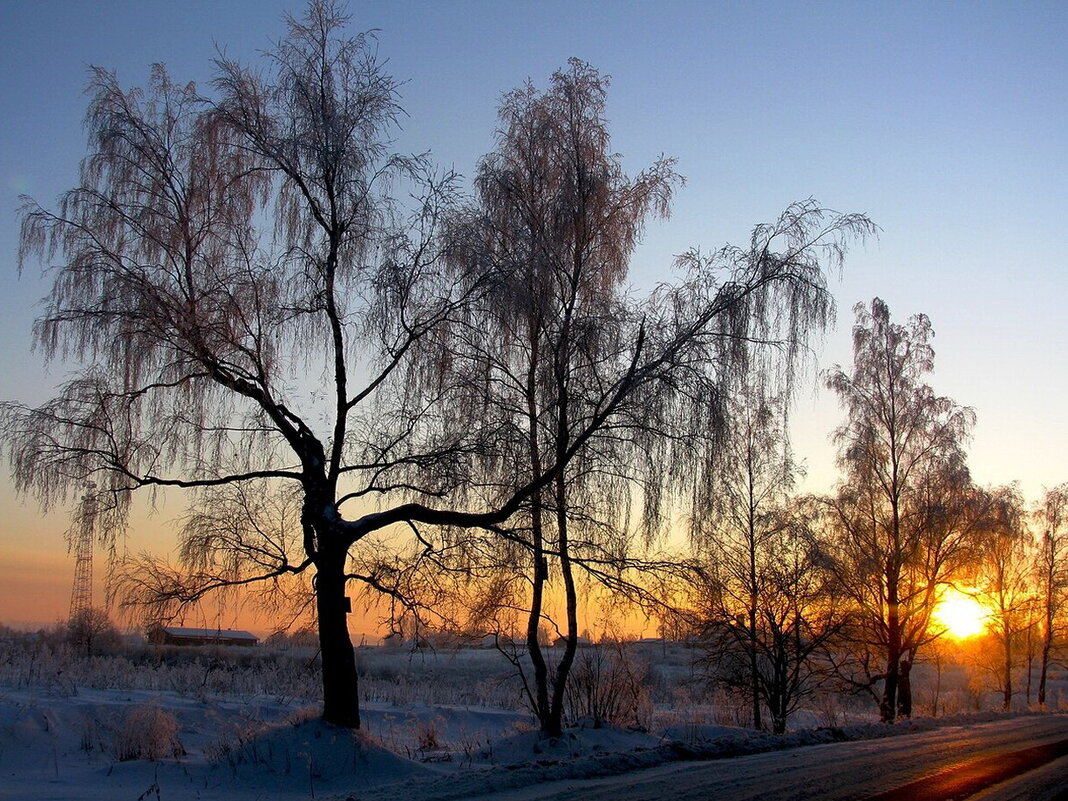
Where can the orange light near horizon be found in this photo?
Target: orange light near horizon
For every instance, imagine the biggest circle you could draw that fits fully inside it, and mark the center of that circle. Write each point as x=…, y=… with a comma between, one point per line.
x=960, y=614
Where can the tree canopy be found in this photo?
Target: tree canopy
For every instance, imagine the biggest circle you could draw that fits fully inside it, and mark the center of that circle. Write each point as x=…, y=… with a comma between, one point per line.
x=314, y=339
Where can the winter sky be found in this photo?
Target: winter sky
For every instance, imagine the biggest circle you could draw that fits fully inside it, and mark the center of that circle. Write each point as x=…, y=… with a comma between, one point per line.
x=947, y=123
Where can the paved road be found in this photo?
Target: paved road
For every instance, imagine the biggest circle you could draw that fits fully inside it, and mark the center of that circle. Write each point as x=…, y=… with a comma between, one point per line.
x=1011, y=760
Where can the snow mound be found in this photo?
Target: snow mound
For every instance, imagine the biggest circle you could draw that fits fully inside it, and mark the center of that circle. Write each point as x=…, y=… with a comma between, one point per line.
x=425, y=732
x=101, y=745
x=583, y=740
x=305, y=752
x=529, y=758
x=702, y=732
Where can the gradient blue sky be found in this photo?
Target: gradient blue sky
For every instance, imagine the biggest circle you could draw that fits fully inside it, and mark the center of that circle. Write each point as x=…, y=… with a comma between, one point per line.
x=947, y=123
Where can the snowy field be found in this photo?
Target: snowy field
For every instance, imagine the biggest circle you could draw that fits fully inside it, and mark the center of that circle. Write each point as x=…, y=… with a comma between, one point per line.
x=241, y=724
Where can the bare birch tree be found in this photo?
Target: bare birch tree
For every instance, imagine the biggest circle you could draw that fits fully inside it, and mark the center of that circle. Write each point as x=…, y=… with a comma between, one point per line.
x=567, y=363
x=1051, y=518
x=248, y=302
x=898, y=537
x=755, y=473
x=1006, y=582
x=771, y=611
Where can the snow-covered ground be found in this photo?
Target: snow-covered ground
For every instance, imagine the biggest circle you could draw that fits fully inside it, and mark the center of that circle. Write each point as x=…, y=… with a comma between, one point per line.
x=114, y=744
x=117, y=744
x=443, y=725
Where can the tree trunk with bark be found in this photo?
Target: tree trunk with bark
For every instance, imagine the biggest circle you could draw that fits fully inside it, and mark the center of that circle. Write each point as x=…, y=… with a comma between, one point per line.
x=1006, y=692
x=754, y=671
x=540, y=697
x=1047, y=646
x=341, y=703
x=888, y=704
x=554, y=726
x=904, y=691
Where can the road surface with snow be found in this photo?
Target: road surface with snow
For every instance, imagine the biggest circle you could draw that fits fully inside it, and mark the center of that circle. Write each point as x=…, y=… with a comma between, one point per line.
x=858, y=770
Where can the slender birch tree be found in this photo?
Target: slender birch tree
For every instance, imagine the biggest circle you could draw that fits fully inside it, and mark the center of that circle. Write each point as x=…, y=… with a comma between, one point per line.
x=901, y=448
x=755, y=474
x=1006, y=582
x=567, y=362
x=1051, y=518
x=772, y=611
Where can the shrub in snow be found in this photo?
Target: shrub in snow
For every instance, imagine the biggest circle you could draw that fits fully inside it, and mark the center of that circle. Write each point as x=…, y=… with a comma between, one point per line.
x=91, y=632
x=91, y=735
x=427, y=735
x=608, y=685
x=148, y=733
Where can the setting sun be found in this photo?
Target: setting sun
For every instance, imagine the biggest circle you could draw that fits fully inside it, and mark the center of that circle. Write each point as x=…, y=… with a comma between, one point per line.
x=961, y=614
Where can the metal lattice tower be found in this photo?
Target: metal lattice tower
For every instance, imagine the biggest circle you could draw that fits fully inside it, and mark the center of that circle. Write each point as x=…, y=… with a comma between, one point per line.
x=81, y=596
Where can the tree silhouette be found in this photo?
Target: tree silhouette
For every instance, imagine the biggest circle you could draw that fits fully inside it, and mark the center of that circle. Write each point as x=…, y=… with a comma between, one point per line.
x=1007, y=571
x=771, y=610
x=91, y=632
x=217, y=258
x=558, y=220
x=755, y=472
x=564, y=361
x=901, y=517
x=265, y=327
x=1051, y=517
